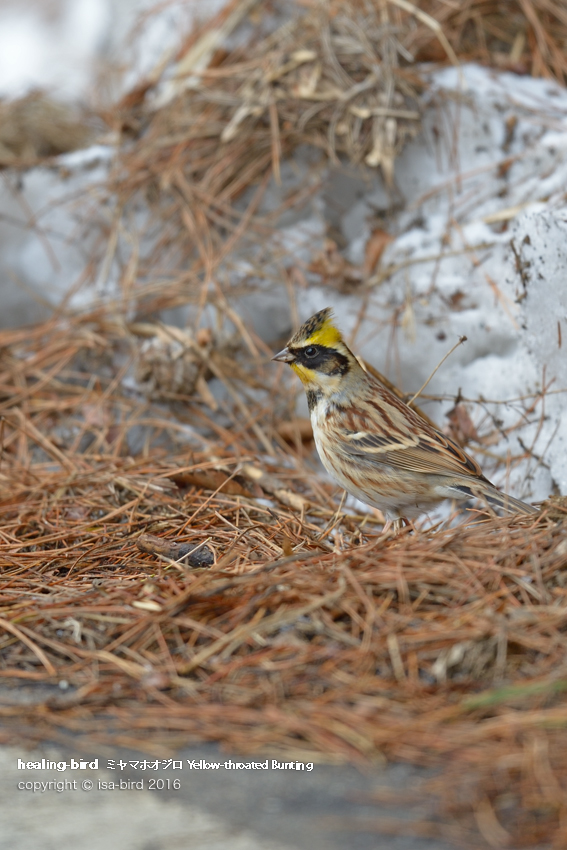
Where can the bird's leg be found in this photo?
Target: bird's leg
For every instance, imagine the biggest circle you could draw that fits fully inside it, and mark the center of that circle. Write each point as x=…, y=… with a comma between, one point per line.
x=396, y=525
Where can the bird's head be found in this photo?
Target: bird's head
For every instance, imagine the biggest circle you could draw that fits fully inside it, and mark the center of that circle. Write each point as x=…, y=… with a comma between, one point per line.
x=318, y=355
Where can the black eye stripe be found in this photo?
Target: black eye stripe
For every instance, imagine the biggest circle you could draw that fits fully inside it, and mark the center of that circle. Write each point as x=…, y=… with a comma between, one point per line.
x=323, y=359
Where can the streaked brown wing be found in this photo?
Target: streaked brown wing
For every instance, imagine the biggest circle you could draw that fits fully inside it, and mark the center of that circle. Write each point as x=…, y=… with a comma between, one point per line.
x=386, y=431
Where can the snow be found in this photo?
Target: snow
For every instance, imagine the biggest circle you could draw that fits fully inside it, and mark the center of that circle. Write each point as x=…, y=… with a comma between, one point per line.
x=469, y=199
x=66, y=47
x=52, y=46
x=50, y=220
x=542, y=247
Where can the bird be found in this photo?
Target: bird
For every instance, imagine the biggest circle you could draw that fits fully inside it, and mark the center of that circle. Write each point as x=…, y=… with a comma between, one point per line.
x=372, y=443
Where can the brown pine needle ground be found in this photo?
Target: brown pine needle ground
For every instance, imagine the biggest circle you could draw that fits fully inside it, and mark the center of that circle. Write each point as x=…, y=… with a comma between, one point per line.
x=442, y=648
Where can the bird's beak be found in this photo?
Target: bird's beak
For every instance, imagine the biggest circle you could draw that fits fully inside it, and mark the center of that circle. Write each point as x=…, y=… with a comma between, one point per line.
x=284, y=356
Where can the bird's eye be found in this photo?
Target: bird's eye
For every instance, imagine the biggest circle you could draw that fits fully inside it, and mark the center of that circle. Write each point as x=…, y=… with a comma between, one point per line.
x=311, y=351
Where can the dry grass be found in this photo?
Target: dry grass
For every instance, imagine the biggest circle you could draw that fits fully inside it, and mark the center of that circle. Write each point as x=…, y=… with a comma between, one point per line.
x=207, y=132
x=523, y=36
x=309, y=635
x=202, y=138
x=36, y=126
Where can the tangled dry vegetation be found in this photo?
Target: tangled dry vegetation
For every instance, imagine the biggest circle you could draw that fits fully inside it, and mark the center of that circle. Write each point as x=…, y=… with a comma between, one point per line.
x=523, y=36
x=174, y=559
x=204, y=134
x=218, y=594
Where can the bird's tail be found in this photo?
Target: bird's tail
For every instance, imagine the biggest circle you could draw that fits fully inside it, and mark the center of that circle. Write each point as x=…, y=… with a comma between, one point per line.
x=499, y=500
x=508, y=504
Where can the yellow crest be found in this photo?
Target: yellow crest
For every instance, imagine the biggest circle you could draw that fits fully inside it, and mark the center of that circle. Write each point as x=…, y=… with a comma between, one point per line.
x=318, y=330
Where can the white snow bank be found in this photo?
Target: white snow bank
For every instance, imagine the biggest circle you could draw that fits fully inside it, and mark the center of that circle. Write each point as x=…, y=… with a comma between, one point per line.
x=540, y=241
x=488, y=168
